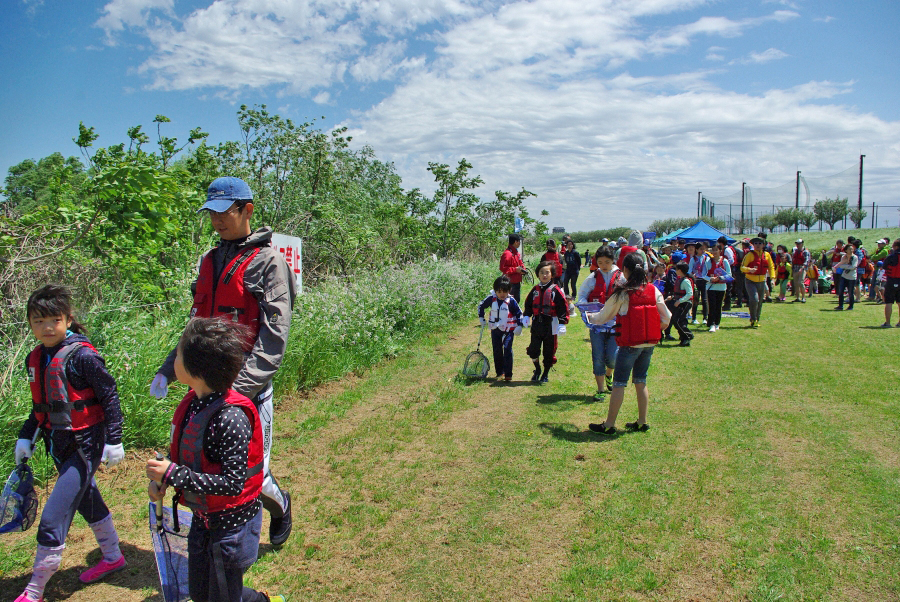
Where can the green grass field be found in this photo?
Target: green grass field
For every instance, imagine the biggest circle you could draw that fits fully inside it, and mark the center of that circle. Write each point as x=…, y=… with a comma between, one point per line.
x=771, y=472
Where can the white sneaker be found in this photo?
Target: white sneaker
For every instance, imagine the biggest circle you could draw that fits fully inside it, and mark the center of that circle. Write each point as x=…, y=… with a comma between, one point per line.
x=696, y=321
x=712, y=328
x=717, y=328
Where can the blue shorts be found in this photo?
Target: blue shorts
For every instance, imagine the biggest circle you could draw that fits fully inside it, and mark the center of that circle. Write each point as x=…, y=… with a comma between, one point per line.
x=633, y=362
x=603, y=351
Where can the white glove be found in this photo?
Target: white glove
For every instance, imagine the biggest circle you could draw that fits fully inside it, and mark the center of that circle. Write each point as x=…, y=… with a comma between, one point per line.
x=562, y=329
x=526, y=321
x=482, y=321
x=112, y=454
x=517, y=331
x=23, y=450
x=159, y=388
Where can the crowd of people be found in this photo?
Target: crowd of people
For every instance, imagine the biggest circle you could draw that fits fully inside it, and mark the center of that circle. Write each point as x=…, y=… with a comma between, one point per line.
x=636, y=294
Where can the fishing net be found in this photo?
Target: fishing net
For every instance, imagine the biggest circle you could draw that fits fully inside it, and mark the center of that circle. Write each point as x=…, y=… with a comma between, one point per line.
x=18, y=501
x=476, y=364
x=171, y=552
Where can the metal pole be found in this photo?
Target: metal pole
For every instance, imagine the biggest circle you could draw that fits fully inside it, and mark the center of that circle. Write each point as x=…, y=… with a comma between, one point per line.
x=698, y=203
x=743, y=186
x=873, y=215
x=797, y=199
x=859, y=205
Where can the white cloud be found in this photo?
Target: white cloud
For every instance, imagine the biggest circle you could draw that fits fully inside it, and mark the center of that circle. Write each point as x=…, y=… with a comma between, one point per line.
x=31, y=6
x=826, y=19
x=758, y=58
x=119, y=14
x=536, y=93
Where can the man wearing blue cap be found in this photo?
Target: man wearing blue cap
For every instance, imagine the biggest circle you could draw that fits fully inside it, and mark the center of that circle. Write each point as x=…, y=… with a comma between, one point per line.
x=247, y=280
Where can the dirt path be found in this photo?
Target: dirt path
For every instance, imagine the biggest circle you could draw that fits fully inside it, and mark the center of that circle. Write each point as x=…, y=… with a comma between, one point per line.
x=384, y=494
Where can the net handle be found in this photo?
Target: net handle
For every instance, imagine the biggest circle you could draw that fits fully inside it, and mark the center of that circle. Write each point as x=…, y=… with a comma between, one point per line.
x=480, y=334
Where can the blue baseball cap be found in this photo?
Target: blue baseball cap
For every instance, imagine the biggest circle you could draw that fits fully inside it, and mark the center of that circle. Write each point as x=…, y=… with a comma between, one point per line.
x=223, y=192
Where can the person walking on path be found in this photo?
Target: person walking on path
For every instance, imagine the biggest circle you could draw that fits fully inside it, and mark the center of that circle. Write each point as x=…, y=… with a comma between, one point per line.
x=641, y=315
x=847, y=280
x=757, y=266
x=75, y=408
x=879, y=254
x=512, y=266
x=573, y=266
x=247, y=280
x=719, y=273
x=891, y=283
x=800, y=262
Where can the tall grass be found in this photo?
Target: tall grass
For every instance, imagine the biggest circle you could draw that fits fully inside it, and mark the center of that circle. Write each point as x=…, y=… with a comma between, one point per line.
x=337, y=327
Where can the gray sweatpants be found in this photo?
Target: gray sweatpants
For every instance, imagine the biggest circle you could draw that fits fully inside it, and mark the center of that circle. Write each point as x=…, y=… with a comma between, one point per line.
x=756, y=292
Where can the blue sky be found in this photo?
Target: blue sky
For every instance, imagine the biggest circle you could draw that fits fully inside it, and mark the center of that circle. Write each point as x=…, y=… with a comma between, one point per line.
x=614, y=112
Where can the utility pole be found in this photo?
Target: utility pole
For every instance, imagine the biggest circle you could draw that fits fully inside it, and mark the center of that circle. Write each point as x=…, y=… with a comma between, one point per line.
x=859, y=205
x=797, y=199
x=698, y=204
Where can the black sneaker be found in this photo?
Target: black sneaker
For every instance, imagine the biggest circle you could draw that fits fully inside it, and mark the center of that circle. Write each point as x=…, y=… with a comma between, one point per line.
x=280, y=528
x=634, y=426
x=669, y=337
x=544, y=379
x=536, y=375
x=685, y=343
x=603, y=430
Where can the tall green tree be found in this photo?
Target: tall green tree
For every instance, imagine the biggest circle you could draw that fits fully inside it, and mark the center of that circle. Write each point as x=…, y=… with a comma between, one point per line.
x=831, y=211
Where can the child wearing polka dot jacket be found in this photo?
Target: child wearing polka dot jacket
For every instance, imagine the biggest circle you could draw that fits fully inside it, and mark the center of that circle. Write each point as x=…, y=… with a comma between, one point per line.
x=215, y=463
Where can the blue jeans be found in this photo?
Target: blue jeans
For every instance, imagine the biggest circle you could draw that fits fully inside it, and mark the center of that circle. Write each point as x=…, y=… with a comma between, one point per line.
x=603, y=351
x=633, y=362
x=233, y=551
x=843, y=286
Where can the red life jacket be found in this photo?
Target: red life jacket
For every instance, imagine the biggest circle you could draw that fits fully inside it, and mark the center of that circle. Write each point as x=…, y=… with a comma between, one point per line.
x=57, y=405
x=782, y=266
x=623, y=252
x=641, y=324
x=836, y=257
x=891, y=269
x=797, y=259
x=186, y=449
x=594, y=264
x=711, y=270
x=759, y=263
x=554, y=257
x=602, y=291
x=229, y=297
x=542, y=303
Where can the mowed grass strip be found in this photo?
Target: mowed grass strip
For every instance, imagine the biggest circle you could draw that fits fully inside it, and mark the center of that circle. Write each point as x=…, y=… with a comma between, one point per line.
x=770, y=472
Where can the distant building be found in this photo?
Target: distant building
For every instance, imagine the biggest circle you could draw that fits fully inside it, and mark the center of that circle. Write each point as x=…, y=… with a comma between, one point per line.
x=559, y=230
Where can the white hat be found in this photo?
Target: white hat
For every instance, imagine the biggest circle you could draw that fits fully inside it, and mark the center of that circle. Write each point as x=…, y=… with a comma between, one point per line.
x=799, y=241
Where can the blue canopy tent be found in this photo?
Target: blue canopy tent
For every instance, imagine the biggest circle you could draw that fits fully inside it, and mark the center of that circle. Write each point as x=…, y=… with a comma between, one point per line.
x=701, y=231
x=673, y=235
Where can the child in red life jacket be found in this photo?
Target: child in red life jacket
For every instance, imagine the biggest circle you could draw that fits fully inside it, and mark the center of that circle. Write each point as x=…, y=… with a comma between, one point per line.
x=640, y=314
x=76, y=409
x=547, y=309
x=552, y=255
x=216, y=463
x=597, y=288
x=782, y=272
x=505, y=319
